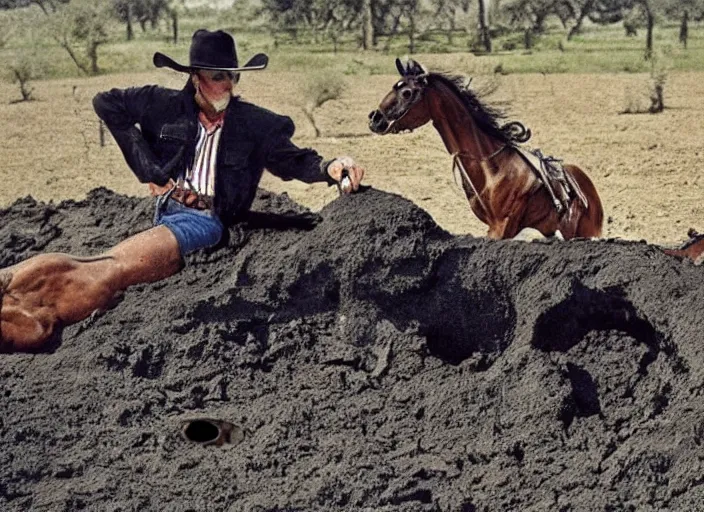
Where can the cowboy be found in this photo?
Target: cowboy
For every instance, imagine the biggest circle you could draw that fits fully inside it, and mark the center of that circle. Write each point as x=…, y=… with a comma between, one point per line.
x=202, y=151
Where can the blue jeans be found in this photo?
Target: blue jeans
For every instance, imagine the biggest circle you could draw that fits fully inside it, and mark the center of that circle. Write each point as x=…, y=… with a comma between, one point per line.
x=193, y=229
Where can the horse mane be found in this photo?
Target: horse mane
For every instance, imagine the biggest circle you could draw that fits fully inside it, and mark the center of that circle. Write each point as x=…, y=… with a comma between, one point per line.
x=487, y=117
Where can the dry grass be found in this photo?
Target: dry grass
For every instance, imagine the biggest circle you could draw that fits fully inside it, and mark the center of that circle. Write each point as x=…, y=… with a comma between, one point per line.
x=645, y=167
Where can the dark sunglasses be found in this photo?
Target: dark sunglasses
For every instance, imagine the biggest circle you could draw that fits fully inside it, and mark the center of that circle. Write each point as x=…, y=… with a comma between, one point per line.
x=221, y=76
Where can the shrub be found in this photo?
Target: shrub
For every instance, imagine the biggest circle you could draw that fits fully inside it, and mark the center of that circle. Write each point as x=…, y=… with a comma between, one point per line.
x=321, y=87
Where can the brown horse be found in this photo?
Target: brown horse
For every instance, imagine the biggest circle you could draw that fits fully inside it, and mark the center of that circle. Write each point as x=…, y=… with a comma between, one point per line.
x=503, y=190
x=692, y=248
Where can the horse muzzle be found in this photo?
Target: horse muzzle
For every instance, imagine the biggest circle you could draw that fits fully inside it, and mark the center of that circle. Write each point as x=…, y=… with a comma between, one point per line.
x=378, y=122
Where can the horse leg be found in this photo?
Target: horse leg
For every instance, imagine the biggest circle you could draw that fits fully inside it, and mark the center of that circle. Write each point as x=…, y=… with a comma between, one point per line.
x=497, y=229
x=590, y=219
x=49, y=289
x=512, y=221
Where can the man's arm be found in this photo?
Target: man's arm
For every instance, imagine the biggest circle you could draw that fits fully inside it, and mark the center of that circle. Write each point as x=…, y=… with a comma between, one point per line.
x=287, y=161
x=121, y=110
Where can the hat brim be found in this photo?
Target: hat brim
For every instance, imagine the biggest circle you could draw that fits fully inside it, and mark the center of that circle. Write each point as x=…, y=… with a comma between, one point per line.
x=256, y=63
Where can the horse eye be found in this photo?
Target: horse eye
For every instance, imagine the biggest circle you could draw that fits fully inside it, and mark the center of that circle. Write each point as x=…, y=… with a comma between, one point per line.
x=406, y=94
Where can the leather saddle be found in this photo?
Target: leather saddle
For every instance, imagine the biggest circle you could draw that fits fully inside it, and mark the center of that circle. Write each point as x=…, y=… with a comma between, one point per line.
x=561, y=186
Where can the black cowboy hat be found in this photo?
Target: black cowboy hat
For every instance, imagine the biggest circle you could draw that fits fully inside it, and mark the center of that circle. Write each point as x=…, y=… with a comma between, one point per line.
x=212, y=50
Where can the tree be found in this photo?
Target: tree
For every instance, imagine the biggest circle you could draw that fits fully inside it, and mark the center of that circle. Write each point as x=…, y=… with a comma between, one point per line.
x=631, y=12
x=648, y=7
x=122, y=10
x=367, y=25
x=531, y=14
x=684, y=11
x=6, y=31
x=21, y=72
x=321, y=87
x=484, y=35
x=447, y=14
x=82, y=22
x=146, y=13
x=579, y=11
x=318, y=16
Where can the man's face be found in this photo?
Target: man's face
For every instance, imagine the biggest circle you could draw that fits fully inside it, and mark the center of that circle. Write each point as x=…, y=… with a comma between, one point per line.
x=214, y=88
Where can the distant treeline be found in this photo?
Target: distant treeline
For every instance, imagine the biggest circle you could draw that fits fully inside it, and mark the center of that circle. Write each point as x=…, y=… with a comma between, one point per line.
x=80, y=27
x=483, y=20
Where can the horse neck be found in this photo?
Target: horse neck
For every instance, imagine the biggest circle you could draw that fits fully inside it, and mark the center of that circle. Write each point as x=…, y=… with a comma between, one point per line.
x=456, y=126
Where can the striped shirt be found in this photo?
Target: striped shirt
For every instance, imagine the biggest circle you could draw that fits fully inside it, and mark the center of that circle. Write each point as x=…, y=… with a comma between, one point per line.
x=200, y=176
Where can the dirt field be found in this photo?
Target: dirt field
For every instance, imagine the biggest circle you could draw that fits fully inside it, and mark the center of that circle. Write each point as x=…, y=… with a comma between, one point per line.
x=372, y=361
x=646, y=167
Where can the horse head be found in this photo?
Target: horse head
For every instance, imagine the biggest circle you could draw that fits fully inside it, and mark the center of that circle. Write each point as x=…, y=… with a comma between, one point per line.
x=403, y=107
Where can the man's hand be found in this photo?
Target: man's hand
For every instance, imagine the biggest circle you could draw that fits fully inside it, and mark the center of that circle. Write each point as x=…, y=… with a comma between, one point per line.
x=354, y=172
x=156, y=190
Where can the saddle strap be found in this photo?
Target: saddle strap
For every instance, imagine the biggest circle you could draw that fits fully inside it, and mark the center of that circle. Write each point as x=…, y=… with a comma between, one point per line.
x=541, y=167
x=576, y=188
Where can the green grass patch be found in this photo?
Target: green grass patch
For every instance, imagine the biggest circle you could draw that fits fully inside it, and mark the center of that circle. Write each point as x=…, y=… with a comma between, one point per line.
x=596, y=50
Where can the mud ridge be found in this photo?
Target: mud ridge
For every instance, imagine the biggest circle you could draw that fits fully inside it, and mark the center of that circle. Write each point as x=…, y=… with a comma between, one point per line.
x=373, y=361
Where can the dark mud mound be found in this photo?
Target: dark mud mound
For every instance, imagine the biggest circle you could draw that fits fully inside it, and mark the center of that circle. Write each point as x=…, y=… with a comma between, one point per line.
x=373, y=362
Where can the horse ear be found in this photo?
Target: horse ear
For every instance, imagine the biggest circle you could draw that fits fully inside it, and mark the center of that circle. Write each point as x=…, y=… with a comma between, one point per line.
x=415, y=68
x=400, y=67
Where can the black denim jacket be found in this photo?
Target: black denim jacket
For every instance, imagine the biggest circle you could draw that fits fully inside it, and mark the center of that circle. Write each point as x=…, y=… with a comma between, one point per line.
x=163, y=145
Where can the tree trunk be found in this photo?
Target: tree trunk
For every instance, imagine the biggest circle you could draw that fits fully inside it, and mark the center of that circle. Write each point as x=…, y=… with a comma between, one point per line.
x=130, y=31
x=649, y=34
x=576, y=29
x=484, y=26
x=174, y=25
x=451, y=32
x=539, y=24
x=93, y=56
x=684, y=29
x=392, y=33
x=41, y=5
x=586, y=9
x=66, y=46
x=367, y=25
x=128, y=19
x=411, y=33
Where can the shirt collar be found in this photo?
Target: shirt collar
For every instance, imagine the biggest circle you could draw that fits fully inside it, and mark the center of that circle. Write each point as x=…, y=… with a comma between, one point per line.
x=211, y=125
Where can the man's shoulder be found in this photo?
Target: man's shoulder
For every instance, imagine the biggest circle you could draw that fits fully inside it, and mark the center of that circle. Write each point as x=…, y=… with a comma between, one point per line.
x=256, y=116
x=165, y=93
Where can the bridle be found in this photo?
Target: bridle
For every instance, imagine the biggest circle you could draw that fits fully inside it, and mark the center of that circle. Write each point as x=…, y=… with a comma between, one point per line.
x=408, y=108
